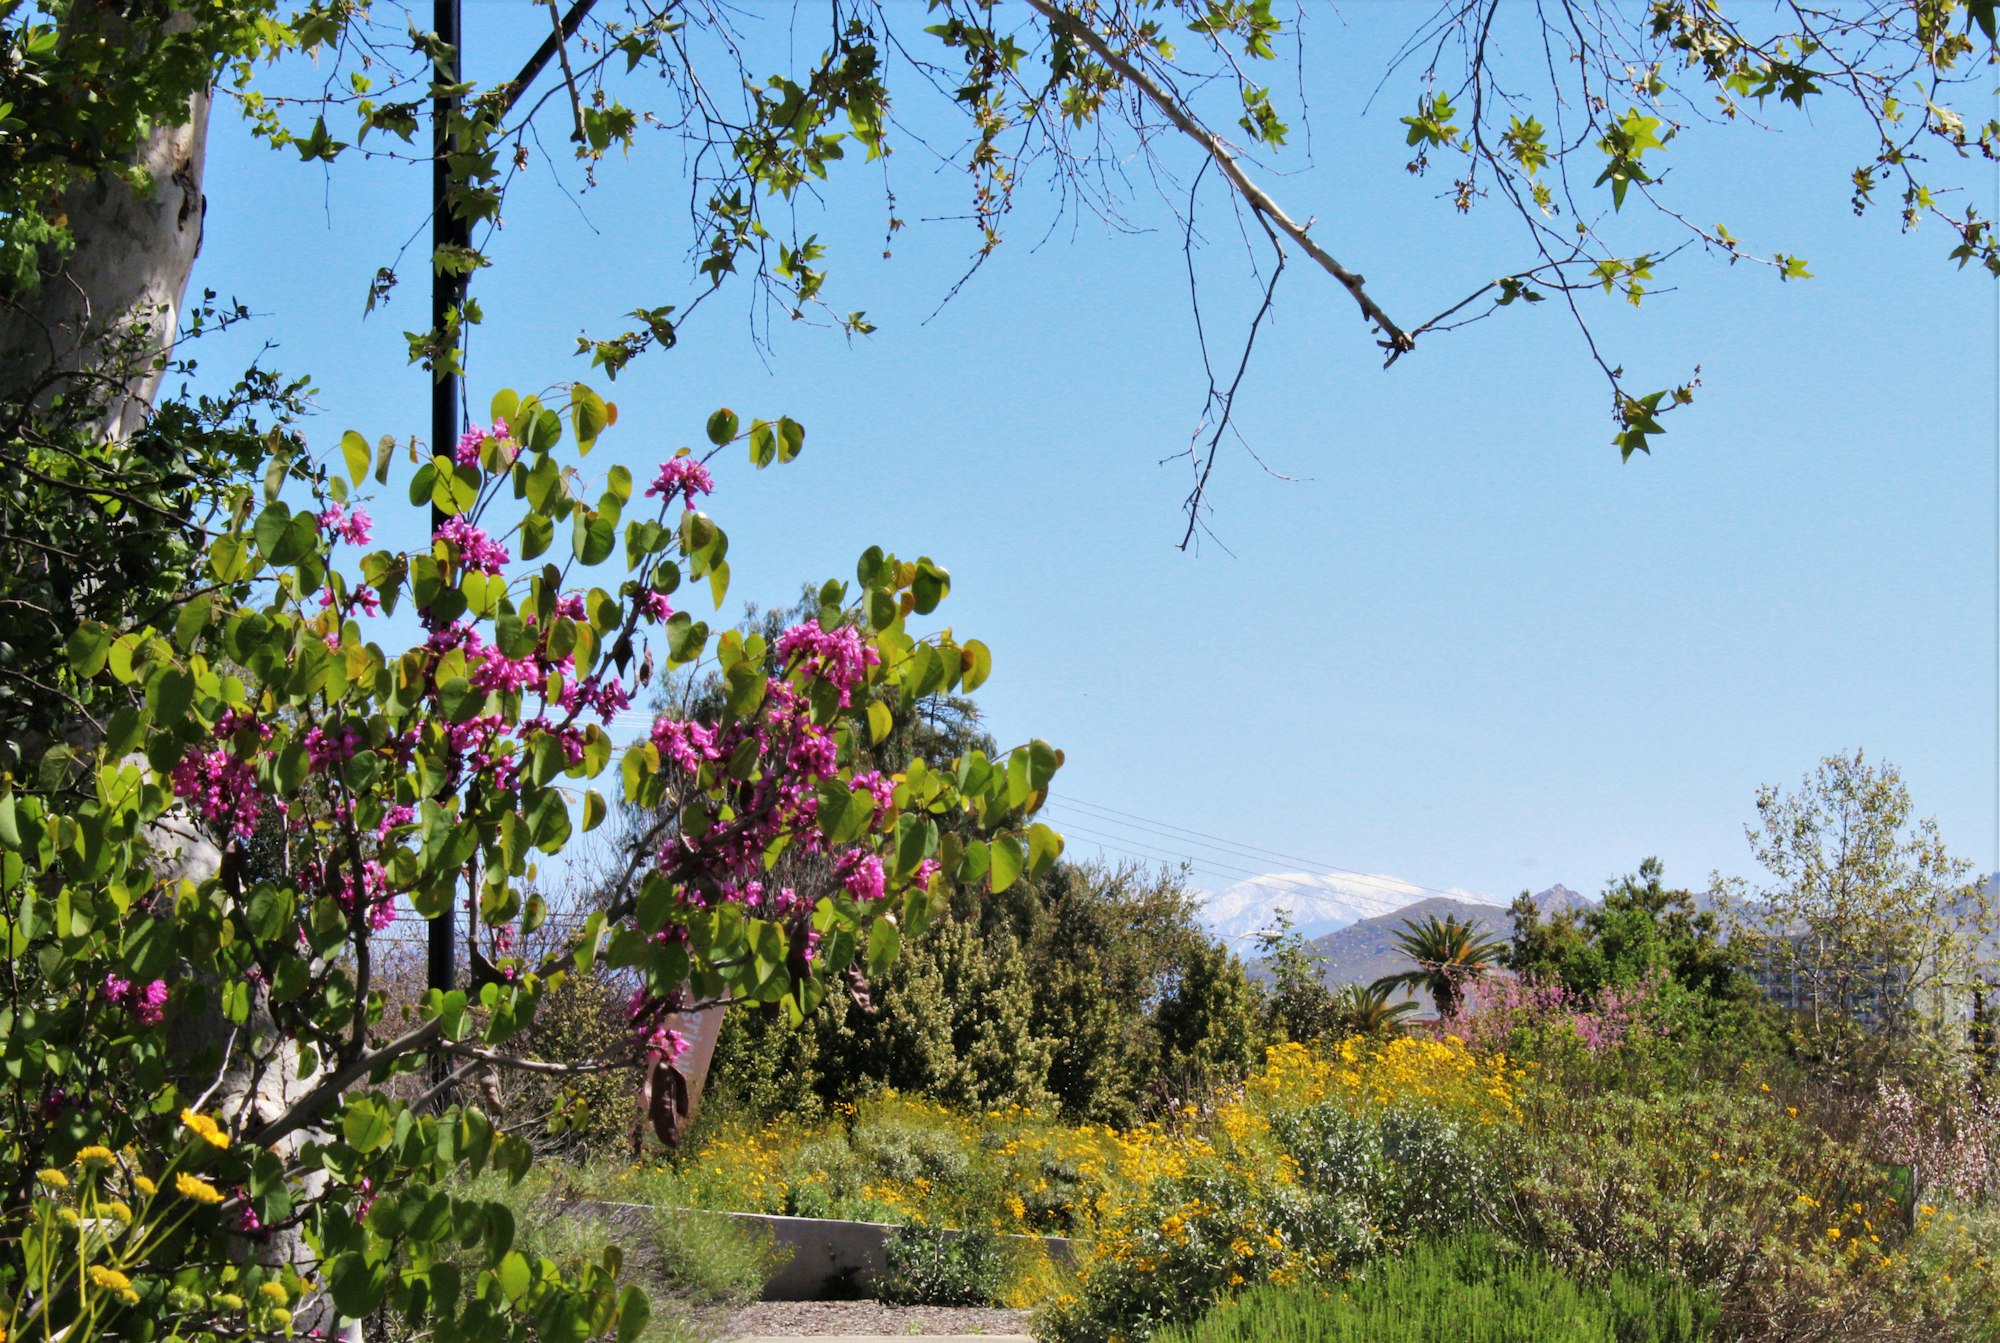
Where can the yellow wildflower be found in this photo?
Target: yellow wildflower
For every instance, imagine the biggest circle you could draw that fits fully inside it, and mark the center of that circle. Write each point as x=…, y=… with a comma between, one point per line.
x=275, y=1292
x=95, y=1155
x=145, y=1185
x=55, y=1179
x=196, y=1188
x=204, y=1128
x=1833, y=1233
x=110, y=1279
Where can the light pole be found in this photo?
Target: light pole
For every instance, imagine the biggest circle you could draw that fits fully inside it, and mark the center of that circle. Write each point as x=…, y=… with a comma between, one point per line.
x=447, y=293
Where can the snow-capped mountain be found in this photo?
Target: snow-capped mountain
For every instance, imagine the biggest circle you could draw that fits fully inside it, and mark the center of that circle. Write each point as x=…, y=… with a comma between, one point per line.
x=1318, y=904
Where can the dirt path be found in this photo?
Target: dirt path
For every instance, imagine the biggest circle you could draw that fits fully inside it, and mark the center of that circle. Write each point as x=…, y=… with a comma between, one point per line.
x=858, y=1320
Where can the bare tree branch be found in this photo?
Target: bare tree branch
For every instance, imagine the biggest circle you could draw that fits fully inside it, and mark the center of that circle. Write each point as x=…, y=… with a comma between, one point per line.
x=1395, y=340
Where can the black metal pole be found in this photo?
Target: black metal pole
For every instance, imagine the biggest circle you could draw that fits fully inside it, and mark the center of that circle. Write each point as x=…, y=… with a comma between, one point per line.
x=447, y=293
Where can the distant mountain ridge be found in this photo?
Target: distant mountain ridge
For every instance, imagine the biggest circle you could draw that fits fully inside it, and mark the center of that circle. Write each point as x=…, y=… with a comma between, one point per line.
x=1366, y=951
x=1317, y=904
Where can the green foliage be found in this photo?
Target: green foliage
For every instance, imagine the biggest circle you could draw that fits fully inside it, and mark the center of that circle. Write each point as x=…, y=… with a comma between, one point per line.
x=689, y=1264
x=110, y=533
x=1716, y=1188
x=1418, y=1171
x=1207, y=1020
x=1641, y=932
x=579, y=1021
x=1058, y=991
x=1297, y=1003
x=1463, y=1291
x=82, y=84
x=933, y=1267
x=1866, y=921
x=1369, y=1010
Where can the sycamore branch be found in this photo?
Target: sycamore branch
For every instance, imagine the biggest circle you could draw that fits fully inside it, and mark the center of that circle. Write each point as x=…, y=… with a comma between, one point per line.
x=1396, y=341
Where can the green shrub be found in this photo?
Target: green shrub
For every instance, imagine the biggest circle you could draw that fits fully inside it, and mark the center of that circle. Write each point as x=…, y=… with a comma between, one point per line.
x=1417, y=1171
x=710, y=1261
x=1463, y=1291
x=932, y=1267
x=909, y=1154
x=1716, y=1188
x=690, y=1265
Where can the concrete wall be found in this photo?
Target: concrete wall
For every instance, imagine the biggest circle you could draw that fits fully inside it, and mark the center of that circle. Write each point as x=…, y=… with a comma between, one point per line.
x=823, y=1258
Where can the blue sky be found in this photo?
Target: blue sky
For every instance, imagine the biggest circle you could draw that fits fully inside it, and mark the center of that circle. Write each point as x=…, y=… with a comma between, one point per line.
x=1466, y=645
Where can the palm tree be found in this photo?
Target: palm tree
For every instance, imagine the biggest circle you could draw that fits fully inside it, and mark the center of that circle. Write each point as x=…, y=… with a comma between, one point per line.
x=1365, y=1009
x=1449, y=953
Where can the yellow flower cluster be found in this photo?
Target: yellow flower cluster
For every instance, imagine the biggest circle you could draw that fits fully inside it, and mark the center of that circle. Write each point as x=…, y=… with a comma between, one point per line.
x=1444, y=1074
x=114, y=1282
x=205, y=1128
x=196, y=1188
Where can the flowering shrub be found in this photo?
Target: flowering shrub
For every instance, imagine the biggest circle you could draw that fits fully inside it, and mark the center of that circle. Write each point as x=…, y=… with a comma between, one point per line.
x=192, y=903
x=1328, y=1157
x=1511, y=1012
x=100, y=1237
x=1951, y=1147
x=1722, y=1189
x=1360, y=1073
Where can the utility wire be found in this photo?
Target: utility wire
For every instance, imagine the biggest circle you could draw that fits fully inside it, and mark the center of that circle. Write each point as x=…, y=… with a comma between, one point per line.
x=1132, y=820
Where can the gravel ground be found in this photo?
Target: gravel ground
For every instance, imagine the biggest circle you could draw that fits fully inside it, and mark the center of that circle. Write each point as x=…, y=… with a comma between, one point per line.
x=806, y=1319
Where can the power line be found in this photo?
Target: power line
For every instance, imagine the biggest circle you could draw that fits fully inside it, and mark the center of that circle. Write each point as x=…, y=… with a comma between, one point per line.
x=1134, y=820
x=1224, y=871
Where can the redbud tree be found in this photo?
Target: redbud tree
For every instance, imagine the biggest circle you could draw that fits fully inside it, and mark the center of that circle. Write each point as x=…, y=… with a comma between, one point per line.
x=192, y=892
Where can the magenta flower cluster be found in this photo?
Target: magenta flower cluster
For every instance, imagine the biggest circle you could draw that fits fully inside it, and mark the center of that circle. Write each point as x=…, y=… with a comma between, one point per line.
x=350, y=525
x=683, y=476
x=475, y=549
x=776, y=798
x=147, y=1003
x=1499, y=1005
x=221, y=789
x=473, y=440
x=839, y=655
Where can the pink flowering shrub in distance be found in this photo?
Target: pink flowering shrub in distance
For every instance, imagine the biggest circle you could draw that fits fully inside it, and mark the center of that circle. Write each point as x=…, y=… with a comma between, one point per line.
x=1950, y=1145
x=1501, y=1007
x=279, y=780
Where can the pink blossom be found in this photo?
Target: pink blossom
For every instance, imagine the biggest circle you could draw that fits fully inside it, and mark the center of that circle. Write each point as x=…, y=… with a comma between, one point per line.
x=839, y=655
x=881, y=789
x=476, y=550
x=861, y=875
x=147, y=1005
x=372, y=897
x=569, y=606
x=654, y=606
x=325, y=750
x=221, y=789
x=498, y=675
x=686, y=744
x=474, y=438
x=234, y=721
x=352, y=527
x=684, y=476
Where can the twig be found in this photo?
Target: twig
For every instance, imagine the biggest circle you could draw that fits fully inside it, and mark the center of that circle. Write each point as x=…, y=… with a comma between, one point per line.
x=1396, y=341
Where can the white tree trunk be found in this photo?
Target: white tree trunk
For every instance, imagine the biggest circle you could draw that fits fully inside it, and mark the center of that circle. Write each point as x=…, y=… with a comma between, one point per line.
x=107, y=312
